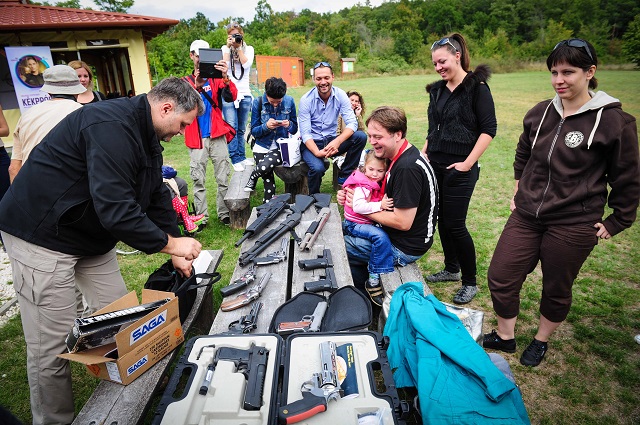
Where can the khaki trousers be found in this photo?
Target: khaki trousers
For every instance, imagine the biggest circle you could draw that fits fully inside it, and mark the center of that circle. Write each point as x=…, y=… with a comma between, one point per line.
x=216, y=149
x=45, y=283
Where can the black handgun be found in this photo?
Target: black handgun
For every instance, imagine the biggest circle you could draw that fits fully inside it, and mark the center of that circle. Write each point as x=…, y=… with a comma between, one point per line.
x=327, y=282
x=252, y=363
x=322, y=262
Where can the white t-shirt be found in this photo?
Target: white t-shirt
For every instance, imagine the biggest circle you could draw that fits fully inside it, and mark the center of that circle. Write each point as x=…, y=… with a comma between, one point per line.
x=243, y=84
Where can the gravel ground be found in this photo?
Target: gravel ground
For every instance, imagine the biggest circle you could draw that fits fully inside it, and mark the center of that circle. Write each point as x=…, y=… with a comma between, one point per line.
x=6, y=287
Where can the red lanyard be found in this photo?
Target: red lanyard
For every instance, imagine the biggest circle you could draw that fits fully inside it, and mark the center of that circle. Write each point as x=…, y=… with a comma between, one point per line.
x=393, y=161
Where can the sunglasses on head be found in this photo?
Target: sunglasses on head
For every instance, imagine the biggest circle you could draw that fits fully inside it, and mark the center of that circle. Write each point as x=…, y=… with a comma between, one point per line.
x=443, y=42
x=577, y=43
x=232, y=25
x=319, y=64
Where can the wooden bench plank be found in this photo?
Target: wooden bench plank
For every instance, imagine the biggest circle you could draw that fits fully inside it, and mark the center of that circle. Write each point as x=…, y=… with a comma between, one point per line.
x=238, y=200
x=391, y=282
x=274, y=293
x=115, y=404
x=330, y=238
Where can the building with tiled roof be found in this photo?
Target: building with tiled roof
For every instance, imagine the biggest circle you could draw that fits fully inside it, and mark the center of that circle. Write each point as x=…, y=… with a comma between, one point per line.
x=114, y=44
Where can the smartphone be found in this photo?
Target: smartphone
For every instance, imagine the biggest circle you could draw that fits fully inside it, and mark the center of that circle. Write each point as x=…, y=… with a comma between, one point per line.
x=208, y=58
x=278, y=121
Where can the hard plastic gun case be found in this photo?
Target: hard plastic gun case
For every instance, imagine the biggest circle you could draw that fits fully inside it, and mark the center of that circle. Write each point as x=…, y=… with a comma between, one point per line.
x=289, y=365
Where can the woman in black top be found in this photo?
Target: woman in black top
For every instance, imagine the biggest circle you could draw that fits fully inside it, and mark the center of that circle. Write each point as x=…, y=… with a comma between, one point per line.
x=462, y=123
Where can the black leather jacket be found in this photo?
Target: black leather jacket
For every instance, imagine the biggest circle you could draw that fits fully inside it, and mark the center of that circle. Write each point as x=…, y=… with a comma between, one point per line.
x=93, y=180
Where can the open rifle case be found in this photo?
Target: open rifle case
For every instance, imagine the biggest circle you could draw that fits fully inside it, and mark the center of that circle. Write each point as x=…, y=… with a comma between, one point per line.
x=228, y=398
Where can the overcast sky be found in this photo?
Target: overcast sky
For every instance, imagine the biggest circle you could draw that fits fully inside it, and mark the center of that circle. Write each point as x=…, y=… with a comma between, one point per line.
x=219, y=9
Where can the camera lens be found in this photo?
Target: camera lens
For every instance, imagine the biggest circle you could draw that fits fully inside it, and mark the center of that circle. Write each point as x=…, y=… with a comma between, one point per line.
x=237, y=38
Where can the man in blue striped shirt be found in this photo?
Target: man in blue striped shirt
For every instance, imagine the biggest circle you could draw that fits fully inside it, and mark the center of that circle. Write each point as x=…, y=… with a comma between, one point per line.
x=318, y=120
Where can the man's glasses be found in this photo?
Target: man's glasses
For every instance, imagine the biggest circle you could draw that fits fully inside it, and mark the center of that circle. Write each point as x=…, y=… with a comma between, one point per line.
x=319, y=64
x=443, y=42
x=232, y=25
x=577, y=43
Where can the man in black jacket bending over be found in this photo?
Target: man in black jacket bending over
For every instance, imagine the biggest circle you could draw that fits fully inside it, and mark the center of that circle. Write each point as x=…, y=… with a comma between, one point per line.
x=93, y=180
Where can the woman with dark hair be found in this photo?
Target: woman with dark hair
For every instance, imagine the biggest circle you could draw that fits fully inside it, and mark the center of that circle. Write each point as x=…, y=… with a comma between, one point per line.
x=357, y=104
x=32, y=76
x=273, y=116
x=462, y=123
x=572, y=147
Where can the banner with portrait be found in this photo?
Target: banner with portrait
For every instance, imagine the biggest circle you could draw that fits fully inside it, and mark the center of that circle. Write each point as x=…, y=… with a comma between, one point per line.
x=27, y=64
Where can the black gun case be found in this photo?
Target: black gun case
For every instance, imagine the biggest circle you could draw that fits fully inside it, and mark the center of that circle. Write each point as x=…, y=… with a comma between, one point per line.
x=369, y=398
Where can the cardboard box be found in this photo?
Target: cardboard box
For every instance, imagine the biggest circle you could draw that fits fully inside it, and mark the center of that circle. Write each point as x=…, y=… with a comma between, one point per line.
x=138, y=346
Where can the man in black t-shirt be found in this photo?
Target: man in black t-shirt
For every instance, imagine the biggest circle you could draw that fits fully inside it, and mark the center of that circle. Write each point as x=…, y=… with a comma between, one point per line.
x=410, y=182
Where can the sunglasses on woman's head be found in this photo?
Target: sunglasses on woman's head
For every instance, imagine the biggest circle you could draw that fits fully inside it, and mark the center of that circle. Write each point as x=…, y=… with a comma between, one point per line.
x=578, y=43
x=443, y=42
x=232, y=25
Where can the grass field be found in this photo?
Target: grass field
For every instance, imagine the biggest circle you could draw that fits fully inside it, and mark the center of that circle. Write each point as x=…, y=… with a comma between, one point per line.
x=591, y=374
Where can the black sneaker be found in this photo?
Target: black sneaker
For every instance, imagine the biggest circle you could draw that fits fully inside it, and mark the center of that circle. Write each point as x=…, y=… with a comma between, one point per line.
x=493, y=341
x=465, y=294
x=443, y=276
x=534, y=353
x=375, y=293
x=226, y=221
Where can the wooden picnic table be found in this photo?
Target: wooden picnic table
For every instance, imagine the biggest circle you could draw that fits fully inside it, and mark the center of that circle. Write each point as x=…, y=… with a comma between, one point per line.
x=115, y=404
x=287, y=278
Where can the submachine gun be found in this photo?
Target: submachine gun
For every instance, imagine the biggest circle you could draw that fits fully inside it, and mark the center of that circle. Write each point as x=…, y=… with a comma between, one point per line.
x=288, y=225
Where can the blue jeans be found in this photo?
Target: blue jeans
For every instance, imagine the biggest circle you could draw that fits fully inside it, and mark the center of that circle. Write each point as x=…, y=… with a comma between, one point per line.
x=381, y=257
x=237, y=118
x=358, y=254
x=317, y=166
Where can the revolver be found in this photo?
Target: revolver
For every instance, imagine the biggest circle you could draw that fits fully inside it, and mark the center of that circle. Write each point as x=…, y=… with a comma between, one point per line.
x=240, y=283
x=276, y=256
x=316, y=392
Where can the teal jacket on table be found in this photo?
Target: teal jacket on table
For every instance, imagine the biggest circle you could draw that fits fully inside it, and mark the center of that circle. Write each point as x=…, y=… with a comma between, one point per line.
x=457, y=383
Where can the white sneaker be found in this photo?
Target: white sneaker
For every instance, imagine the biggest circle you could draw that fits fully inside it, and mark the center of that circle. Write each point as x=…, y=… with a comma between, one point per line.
x=248, y=162
x=238, y=166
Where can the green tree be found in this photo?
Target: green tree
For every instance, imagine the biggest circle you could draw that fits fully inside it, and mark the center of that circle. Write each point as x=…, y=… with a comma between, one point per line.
x=631, y=41
x=121, y=6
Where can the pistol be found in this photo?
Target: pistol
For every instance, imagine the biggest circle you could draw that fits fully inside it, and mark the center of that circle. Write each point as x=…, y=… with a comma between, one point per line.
x=252, y=363
x=247, y=295
x=309, y=323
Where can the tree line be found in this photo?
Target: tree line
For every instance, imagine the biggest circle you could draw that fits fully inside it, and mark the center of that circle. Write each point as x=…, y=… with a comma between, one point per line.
x=396, y=36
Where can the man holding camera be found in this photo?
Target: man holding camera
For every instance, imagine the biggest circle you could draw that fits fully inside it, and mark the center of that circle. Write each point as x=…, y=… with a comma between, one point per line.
x=318, y=118
x=206, y=136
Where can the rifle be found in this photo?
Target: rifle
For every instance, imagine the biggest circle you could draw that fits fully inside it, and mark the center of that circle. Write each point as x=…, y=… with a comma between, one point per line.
x=289, y=224
x=266, y=214
x=252, y=363
x=247, y=295
x=316, y=392
x=314, y=229
x=274, y=257
x=309, y=323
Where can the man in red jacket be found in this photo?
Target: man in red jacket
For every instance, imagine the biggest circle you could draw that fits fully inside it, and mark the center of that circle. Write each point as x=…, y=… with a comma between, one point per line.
x=206, y=136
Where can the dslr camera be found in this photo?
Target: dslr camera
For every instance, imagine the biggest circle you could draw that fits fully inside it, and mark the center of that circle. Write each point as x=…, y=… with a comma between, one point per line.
x=237, y=38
